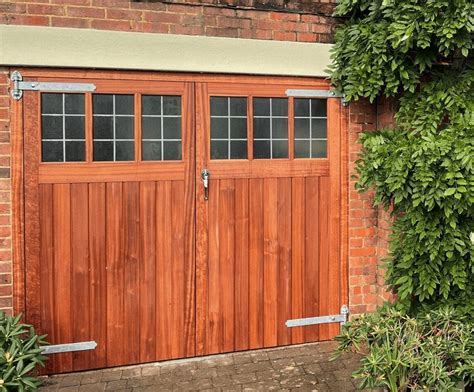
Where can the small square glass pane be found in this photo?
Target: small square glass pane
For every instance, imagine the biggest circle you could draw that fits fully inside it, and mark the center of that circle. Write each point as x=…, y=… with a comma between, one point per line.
x=171, y=151
x=74, y=127
x=74, y=103
x=261, y=106
x=261, y=149
x=103, y=150
x=124, y=150
x=280, y=149
x=75, y=151
x=219, y=149
x=261, y=128
x=103, y=104
x=302, y=128
x=303, y=148
x=51, y=103
x=319, y=108
x=301, y=107
x=319, y=128
x=52, y=151
x=171, y=127
x=103, y=127
x=219, y=106
x=279, y=128
x=238, y=106
x=219, y=128
x=151, y=150
x=319, y=149
x=151, y=128
x=124, y=104
x=238, y=149
x=52, y=127
x=151, y=105
x=238, y=128
x=171, y=105
x=124, y=127
x=280, y=107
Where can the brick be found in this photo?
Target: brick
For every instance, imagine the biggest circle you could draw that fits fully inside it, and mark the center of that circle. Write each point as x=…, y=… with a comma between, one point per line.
x=222, y=32
x=161, y=17
x=86, y=12
x=123, y=14
x=30, y=20
x=284, y=36
x=69, y=22
x=111, y=25
x=43, y=9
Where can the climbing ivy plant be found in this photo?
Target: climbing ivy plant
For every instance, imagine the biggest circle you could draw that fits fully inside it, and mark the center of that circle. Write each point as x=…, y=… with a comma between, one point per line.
x=422, y=170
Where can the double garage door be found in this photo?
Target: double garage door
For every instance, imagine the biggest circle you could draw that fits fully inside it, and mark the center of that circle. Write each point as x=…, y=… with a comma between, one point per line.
x=171, y=216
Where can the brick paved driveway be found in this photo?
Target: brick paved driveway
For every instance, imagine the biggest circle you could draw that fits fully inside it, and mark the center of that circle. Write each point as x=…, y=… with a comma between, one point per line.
x=296, y=368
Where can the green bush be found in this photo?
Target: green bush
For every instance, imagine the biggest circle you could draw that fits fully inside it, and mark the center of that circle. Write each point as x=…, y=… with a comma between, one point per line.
x=20, y=354
x=431, y=352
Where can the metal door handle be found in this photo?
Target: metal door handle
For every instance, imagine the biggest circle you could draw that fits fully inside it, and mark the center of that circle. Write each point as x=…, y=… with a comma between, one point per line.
x=205, y=182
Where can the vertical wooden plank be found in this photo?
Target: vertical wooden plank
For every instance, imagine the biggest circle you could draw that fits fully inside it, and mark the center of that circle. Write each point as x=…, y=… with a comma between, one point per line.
x=62, y=271
x=31, y=103
x=164, y=251
x=324, y=260
x=131, y=271
x=270, y=258
x=189, y=229
x=202, y=245
x=148, y=271
x=311, y=269
x=214, y=306
x=98, y=273
x=178, y=289
x=226, y=261
x=18, y=205
x=298, y=248
x=284, y=260
x=47, y=295
x=241, y=264
x=334, y=270
x=256, y=264
x=115, y=278
x=80, y=273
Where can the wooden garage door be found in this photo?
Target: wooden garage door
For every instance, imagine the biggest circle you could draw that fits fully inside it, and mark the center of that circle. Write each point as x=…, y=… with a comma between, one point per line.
x=121, y=245
x=110, y=221
x=268, y=235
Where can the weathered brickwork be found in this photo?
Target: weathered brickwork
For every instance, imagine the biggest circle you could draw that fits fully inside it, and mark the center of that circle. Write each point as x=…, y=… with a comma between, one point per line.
x=306, y=21
x=160, y=17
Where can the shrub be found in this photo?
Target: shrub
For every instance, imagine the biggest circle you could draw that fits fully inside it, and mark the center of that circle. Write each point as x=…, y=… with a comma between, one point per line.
x=20, y=354
x=431, y=352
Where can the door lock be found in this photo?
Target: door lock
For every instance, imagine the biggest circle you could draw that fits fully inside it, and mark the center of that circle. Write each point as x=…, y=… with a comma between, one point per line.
x=205, y=182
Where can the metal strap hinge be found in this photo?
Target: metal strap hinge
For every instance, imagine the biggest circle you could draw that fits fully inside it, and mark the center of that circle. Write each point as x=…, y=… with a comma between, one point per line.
x=338, y=318
x=68, y=347
x=19, y=86
x=315, y=94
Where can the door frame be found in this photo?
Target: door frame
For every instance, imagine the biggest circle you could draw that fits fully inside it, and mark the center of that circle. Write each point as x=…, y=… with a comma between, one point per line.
x=19, y=118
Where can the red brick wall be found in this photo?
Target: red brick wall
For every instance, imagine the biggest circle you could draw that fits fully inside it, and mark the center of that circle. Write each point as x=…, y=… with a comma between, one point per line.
x=6, y=289
x=159, y=17
x=308, y=21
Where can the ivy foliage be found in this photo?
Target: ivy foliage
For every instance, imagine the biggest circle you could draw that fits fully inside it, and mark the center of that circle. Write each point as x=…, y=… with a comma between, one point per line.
x=423, y=169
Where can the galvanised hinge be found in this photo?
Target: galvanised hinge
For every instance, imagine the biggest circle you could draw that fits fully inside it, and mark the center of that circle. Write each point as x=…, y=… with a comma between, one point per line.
x=18, y=86
x=316, y=94
x=338, y=318
x=68, y=347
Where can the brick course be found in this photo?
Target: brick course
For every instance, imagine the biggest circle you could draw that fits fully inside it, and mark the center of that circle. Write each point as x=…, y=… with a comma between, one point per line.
x=308, y=21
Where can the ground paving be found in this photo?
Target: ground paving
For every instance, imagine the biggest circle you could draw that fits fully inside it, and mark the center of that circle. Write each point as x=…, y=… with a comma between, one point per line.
x=297, y=368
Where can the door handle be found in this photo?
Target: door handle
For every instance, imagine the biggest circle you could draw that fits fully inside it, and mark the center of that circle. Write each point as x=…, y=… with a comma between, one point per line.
x=205, y=182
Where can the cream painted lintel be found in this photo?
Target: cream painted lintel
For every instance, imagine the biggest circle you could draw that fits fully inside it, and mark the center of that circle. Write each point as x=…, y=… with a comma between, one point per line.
x=84, y=48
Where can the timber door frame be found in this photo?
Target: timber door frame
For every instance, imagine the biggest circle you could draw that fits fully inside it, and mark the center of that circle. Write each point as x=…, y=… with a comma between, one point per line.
x=17, y=154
